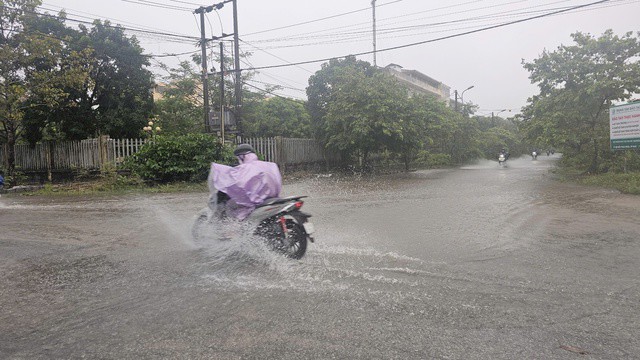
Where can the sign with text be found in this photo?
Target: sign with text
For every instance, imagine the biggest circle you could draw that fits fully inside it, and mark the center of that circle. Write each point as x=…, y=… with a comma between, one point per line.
x=624, y=126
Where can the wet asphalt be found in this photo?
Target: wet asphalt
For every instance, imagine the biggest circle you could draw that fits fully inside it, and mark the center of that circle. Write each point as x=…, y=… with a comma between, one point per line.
x=479, y=262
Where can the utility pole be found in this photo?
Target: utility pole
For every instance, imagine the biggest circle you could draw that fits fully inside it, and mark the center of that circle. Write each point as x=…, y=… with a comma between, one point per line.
x=373, y=7
x=205, y=74
x=236, y=49
x=222, y=91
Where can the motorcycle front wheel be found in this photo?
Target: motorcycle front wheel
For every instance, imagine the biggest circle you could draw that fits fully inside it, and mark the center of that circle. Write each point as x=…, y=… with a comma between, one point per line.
x=198, y=227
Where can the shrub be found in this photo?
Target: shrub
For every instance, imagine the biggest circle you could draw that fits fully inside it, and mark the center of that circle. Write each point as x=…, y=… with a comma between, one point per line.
x=430, y=159
x=179, y=157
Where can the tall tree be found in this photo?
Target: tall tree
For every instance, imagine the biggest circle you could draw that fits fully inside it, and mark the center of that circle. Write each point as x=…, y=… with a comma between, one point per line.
x=324, y=86
x=35, y=69
x=115, y=99
x=273, y=116
x=357, y=110
x=578, y=84
x=180, y=108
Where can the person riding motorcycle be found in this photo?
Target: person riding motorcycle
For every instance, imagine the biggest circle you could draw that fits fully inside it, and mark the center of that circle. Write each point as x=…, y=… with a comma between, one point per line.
x=246, y=185
x=504, y=152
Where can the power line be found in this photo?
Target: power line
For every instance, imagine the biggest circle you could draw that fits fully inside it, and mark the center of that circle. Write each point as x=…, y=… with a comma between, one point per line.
x=104, y=23
x=438, y=39
x=317, y=20
x=184, y=2
x=158, y=5
x=387, y=32
x=277, y=85
x=277, y=57
x=109, y=26
x=171, y=54
x=357, y=26
x=344, y=37
x=274, y=94
x=261, y=73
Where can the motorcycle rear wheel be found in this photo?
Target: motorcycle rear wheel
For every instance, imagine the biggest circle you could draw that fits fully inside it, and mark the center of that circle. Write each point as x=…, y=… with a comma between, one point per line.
x=294, y=243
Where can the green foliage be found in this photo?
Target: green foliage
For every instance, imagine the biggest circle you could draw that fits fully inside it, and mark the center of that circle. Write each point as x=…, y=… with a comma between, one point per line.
x=276, y=116
x=323, y=88
x=578, y=84
x=359, y=110
x=180, y=107
x=496, y=133
x=35, y=70
x=429, y=159
x=115, y=97
x=179, y=157
x=628, y=183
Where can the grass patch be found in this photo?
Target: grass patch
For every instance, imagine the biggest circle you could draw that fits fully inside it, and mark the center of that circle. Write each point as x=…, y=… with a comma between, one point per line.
x=115, y=185
x=628, y=183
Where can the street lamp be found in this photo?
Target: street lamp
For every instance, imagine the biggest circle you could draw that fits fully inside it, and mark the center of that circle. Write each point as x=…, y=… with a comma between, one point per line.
x=456, y=95
x=501, y=111
x=462, y=95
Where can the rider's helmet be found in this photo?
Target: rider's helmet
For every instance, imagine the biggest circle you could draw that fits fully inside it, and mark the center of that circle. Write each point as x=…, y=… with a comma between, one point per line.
x=243, y=149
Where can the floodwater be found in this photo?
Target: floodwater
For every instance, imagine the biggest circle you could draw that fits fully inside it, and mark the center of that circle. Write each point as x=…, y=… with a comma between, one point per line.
x=479, y=262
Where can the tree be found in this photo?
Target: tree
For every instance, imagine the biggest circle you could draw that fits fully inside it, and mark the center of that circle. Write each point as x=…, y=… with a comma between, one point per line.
x=180, y=108
x=323, y=87
x=115, y=99
x=275, y=116
x=358, y=110
x=35, y=69
x=578, y=84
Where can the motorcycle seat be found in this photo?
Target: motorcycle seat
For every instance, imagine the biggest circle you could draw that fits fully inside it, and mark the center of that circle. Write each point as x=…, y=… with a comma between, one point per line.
x=274, y=201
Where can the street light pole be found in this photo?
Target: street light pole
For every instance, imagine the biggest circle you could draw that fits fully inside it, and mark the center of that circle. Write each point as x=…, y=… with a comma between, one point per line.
x=494, y=116
x=456, y=94
x=462, y=95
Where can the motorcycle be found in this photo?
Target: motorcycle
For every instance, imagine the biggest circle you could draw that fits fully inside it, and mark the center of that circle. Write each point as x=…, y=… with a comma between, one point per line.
x=277, y=221
x=534, y=155
x=502, y=160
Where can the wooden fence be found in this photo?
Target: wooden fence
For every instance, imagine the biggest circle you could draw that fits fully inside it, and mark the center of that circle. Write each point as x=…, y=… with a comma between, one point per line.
x=120, y=149
x=94, y=154
x=289, y=151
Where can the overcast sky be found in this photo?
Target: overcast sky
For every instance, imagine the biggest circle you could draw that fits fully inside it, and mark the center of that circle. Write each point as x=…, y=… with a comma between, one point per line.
x=280, y=32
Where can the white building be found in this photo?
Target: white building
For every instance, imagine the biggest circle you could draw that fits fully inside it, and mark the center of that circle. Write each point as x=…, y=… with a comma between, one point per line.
x=418, y=82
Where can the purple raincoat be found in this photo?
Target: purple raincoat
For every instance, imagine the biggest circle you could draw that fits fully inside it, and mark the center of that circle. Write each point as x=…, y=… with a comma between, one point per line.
x=247, y=184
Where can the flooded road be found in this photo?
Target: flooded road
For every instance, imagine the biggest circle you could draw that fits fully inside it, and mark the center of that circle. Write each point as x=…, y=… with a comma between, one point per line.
x=479, y=262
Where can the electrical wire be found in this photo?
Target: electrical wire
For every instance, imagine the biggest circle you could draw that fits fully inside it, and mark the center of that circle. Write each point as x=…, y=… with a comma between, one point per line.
x=508, y=15
x=277, y=85
x=184, y=2
x=321, y=19
x=163, y=35
x=276, y=56
x=341, y=37
x=296, y=100
x=158, y=5
x=437, y=39
x=359, y=25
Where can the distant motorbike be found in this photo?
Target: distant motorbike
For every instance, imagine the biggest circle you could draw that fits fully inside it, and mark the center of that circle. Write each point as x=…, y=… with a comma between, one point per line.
x=277, y=221
x=534, y=155
x=502, y=160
